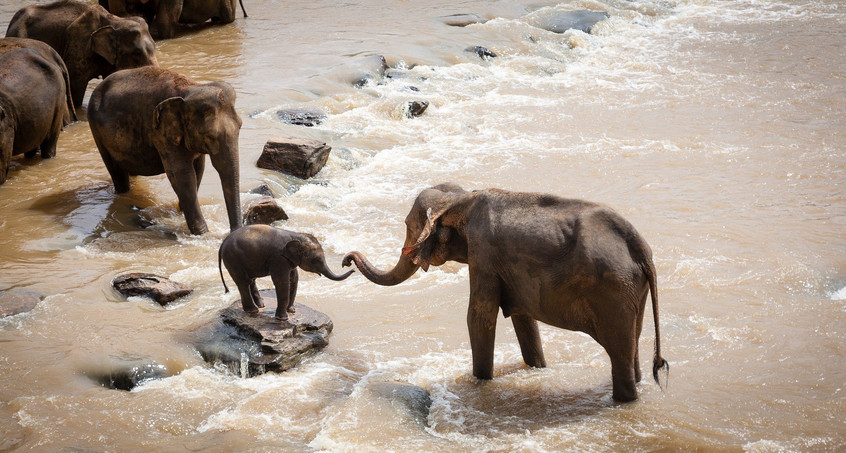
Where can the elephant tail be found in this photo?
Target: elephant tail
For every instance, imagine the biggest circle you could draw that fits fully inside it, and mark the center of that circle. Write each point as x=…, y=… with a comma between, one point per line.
x=219, y=268
x=658, y=362
x=242, y=7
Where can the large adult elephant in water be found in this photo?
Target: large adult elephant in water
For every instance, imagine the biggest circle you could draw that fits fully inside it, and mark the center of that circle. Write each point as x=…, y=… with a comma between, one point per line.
x=148, y=121
x=165, y=15
x=567, y=263
x=92, y=42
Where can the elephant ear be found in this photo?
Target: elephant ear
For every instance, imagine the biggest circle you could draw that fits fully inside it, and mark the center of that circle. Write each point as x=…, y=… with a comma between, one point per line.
x=421, y=252
x=167, y=119
x=293, y=252
x=103, y=43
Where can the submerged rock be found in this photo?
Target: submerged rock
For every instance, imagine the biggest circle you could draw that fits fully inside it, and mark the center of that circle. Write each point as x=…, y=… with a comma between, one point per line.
x=462, y=20
x=301, y=117
x=160, y=289
x=265, y=210
x=298, y=157
x=483, y=52
x=127, y=378
x=415, y=108
x=16, y=301
x=561, y=21
x=372, y=68
x=413, y=400
x=250, y=345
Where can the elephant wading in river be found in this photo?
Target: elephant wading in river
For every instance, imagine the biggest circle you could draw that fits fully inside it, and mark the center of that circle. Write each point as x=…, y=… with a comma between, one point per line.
x=33, y=105
x=92, y=42
x=567, y=263
x=261, y=250
x=148, y=121
x=165, y=15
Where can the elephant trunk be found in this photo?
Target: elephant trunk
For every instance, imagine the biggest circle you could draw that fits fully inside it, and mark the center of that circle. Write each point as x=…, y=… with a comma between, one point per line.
x=326, y=272
x=226, y=164
x=403, y=270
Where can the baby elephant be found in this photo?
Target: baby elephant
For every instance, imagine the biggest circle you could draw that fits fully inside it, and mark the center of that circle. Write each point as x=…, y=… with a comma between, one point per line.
x=259, y=250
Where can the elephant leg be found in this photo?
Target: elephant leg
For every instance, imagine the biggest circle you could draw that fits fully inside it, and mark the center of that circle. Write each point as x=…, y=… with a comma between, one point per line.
x=620, y=345
x=256, y=295
x=281, y=276
x=120, y=177
x=167, y=17
x=183, y=179
x=226, y=14
x=481, y=321
x=31, y=153
x=48, y=146
x=245, y=285
x=295, y=279
x=528, y=336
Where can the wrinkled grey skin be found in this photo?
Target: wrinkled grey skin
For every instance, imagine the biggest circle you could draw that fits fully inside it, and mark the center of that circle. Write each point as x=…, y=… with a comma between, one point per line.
x=165, y=15
x=261, y=250
x=92, y=42
x=47, y=52
x=567, y=263
x=148, y=121
x=33, y=105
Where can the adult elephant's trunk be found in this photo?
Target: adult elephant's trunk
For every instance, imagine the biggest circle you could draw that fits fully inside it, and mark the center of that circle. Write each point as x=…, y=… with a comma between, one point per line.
x=400, y=273
x=326, y=272
x=226, y=164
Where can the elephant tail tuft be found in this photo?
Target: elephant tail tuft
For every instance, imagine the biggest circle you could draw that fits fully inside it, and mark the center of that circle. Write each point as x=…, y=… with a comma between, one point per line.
x=219, y=268
x=658, y=362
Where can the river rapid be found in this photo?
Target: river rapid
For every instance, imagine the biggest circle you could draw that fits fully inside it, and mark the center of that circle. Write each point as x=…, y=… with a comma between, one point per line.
x=718, y=128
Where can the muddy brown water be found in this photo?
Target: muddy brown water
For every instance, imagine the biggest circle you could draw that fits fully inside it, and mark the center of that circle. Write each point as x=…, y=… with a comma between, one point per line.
x=717, y=128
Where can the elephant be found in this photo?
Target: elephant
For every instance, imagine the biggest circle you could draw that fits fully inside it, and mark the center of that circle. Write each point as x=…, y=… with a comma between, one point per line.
x=261, y=250
x=47, y=52
x=165, y=15
x=148, y=121
x=92, y=42
x=33, y=105
x=568, y=263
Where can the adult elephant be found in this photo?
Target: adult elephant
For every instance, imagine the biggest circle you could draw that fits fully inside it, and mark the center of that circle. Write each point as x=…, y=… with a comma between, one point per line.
x=165, y=15
x=148, y=121
x=567, y=263
x=46, y=52
x=92, y=42
x=33, y=105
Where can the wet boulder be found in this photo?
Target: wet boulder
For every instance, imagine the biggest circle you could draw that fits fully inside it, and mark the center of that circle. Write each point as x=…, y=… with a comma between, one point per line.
x=17, y=300
x=410, y=400
x=301, y=117
x=415, y=108
x=250, y=345
x=372, y=68
x=160, y=289
x=298, y=157
x=561, y=21
x=130, y=376
x=262, y=189
x=483, y=52
x=265, y=210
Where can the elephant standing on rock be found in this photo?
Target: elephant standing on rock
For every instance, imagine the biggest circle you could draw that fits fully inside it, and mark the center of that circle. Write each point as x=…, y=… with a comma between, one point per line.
x=567, y=263
x=260, y=250
x=165, y=15
x=148, y=121
x=92, y=42
x=33, y=105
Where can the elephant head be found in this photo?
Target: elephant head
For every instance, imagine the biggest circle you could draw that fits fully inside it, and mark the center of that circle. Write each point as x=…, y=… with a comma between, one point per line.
x=125, y=43
x=434, y=235
x=305, y=252
x=203, y=121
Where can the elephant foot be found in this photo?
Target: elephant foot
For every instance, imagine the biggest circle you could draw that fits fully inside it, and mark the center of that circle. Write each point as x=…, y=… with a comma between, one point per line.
x=259, y=303
x=281, y=318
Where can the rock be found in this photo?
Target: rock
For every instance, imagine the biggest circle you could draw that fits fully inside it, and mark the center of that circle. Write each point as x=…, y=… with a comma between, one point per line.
x=129, y=377
x=158, y=288
x=299, y=157
x=411, y=399
x=374, y=67
x=255, y=344
x=301, y=117
x=264, y=210
x=18, y=300
x=462, y=20
x=415, y=108
x=263, y=189
x=561, y=21
x=482, y=52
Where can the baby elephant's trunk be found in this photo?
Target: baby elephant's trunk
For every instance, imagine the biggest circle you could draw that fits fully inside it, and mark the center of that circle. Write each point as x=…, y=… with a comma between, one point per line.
x=326, y=272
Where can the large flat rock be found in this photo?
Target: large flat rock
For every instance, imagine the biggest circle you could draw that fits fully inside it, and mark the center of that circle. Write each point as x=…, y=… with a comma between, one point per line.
x=271, y=344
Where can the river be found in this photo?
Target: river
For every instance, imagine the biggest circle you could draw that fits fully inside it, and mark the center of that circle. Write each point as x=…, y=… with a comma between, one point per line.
x=718, y=128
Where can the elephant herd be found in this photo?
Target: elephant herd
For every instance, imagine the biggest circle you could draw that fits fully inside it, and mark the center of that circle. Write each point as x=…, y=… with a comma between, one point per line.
x=567, y=263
